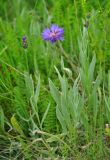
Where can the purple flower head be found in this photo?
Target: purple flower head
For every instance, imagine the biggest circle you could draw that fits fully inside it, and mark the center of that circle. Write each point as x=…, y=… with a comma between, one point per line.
x=24, y=38
x=53, y=34
x=24, y=42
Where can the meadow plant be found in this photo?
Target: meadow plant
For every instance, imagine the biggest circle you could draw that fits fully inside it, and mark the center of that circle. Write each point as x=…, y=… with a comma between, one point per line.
x=54, y=81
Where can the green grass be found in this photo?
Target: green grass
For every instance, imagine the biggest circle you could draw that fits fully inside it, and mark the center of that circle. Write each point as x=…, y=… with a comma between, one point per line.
x=55, y=98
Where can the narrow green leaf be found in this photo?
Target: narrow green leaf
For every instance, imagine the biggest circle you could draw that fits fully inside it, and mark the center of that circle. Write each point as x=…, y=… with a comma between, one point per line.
x=91, y=68
x=61, y=119
x=16, y=125
x=2, y=121
x=54, y=91
x=45, y=114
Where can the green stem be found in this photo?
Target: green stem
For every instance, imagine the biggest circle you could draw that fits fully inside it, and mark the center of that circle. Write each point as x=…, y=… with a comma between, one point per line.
x=73, y=66
x=26, y=58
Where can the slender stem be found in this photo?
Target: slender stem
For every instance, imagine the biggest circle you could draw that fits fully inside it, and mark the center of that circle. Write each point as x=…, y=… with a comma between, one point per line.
x=26, y=58
x=73, y=66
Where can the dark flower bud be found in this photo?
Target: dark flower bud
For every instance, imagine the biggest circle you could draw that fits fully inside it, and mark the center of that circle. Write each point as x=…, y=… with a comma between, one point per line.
x=24, y=42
